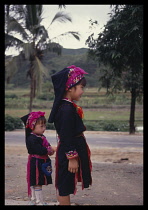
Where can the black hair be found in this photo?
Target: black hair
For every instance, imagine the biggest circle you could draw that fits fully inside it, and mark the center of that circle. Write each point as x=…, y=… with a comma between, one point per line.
x=41, y=120
x=81, y=82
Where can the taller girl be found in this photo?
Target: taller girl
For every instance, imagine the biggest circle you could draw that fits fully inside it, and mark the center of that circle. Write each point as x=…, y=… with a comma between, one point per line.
x=73, y=155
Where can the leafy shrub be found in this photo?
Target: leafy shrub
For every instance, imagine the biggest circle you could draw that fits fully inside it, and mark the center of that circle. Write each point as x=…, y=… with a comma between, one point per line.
x=89, y=126
x=110, y=127
x=50, y=126
x=12, y=123
x=106, y=125
x=46, y=96
x=11, y=96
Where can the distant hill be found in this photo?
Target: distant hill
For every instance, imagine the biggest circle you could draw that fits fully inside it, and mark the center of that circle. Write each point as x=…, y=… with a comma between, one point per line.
x=55, y=63
x=79, y=51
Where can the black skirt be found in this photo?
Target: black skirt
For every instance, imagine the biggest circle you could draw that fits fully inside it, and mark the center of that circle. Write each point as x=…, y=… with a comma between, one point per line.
x=37, y=176
x=65, y=180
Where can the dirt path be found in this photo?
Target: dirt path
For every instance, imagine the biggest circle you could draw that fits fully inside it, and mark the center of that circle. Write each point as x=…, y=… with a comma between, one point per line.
x=117, y=178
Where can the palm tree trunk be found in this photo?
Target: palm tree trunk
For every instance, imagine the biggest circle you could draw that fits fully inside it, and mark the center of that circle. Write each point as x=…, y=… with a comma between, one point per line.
x=32, y=88
x=31, y=94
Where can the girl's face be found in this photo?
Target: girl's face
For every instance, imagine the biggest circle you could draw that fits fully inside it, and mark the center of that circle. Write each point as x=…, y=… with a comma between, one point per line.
x=76, y=92
x=39, y=129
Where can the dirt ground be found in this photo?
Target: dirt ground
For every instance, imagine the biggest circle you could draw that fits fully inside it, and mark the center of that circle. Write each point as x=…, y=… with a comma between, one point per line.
x=117, y=178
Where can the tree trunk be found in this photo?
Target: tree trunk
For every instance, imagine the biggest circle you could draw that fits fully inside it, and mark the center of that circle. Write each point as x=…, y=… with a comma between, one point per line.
x=32, y=93
x=132, y=112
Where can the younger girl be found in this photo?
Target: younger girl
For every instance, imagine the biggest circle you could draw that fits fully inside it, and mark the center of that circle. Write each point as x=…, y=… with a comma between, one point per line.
x=73, y=155
x=39, y=164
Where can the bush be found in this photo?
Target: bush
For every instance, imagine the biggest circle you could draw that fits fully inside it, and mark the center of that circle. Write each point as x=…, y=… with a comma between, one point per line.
x=50, y=126
x=12, y=123
x=46, y=96
x=106, y=125
x=89, y=125
x=11, y=96
x=110, y=127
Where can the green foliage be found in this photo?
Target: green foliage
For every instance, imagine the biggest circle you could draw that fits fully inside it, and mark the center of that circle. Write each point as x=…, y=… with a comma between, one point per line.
x=101, y=112
x=11, y=96
x=46, y=96
x=110, y=127
x=50, y=126
x=56, y=63
x=106, y=125
x=12, y=123
x=120, y=48
x=34, y=42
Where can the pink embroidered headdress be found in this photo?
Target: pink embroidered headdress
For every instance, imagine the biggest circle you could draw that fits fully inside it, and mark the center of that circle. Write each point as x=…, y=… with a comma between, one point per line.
x=33, y=116
x=74, y=76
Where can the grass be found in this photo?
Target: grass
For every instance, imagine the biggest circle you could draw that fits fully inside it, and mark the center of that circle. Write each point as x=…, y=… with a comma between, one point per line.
x=96, y=105
x=104, y=114
x=98, y=115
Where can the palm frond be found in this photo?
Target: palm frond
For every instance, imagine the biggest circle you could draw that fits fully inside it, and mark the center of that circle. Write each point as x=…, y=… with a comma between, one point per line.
x=73, y=33
x=61, y=17
x=42, y=33
x=11, y=68
x=39, y=71
x=14, y=25
x=33, y=17
x=11, y=41
x=39, y=9
x=62, y=5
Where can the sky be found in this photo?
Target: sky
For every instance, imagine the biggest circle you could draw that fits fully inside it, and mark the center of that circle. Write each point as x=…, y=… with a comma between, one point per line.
x=80, y=14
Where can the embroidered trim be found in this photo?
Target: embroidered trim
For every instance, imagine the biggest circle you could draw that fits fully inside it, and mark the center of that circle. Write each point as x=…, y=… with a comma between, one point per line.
x=74, y=76
x=71, y=154
x=78, y=108
x=33, y=117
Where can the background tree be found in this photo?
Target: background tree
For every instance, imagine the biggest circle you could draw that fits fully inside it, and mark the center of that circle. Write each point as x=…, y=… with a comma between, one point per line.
x=25, y=21
x=120, y=48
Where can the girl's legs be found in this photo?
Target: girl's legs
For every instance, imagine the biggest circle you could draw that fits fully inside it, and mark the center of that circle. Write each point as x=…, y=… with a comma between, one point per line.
x=63, y=200
x=32, y=193
x=32, y=201
x=38, y=194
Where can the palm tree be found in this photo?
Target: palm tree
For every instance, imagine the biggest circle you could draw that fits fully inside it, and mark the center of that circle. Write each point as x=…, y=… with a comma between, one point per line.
x=25, y=20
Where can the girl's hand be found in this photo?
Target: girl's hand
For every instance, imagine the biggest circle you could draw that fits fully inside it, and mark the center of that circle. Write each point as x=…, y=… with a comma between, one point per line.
x=54, y=148
x=73, y=165
x=51, y=150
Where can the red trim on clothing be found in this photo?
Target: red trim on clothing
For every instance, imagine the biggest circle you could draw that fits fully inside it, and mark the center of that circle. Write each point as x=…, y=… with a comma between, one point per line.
x=78, y=176
x=56, y=166
x=45, y=157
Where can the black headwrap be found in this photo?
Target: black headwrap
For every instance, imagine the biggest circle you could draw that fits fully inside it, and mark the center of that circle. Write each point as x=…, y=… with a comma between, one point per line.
x=59, y=80
x=27, y=130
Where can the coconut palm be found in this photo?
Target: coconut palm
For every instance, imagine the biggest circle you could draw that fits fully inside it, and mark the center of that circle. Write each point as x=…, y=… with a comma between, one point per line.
x=33, y=41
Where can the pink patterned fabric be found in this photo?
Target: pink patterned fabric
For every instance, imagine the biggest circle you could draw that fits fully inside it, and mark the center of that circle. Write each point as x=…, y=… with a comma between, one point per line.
x=33, y=116
x=75, y=75
x=71, y=154
x=47, y=145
